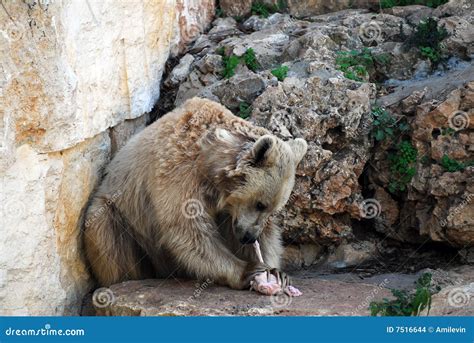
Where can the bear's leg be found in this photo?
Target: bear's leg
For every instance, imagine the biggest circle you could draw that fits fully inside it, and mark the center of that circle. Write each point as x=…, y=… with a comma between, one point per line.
x=113, y=254
x=270, y=245
x=200, y=251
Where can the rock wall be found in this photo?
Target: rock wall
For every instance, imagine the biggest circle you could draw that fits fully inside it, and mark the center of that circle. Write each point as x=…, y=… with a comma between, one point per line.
x=77, y=80
x=341, y=209
x=297, y=8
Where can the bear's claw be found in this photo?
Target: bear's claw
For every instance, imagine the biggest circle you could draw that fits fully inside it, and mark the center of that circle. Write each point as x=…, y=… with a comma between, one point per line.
x=272, y=282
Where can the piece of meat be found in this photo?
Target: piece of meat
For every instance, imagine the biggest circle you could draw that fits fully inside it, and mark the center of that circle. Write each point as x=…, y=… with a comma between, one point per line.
x=264, y=284
x=293, y=291
x=267, y=283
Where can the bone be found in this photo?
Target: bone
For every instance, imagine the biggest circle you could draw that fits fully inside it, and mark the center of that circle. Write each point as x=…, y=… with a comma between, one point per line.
x=269, y=285
x=256, y=245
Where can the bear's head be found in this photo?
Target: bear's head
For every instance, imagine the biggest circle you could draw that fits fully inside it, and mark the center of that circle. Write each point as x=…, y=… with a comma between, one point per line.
x=257, y=181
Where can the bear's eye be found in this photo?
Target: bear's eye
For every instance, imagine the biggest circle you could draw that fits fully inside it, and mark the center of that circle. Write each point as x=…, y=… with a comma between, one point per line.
x=261, y=207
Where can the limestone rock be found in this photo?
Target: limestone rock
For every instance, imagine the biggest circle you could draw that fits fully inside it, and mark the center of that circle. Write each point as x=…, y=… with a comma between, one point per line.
x=454, y=8
x=223, y=28
x=454, y=301
x=450, y=190
x=301, y=256
x=58, y=103
x=352, y=254
x=236, y=8
x=193, y=298
x=456, y=291
x=301, y=8
x=42, y=198
x=331, y=112
x=181, y=71
x=76, y=81
x=325, y=183
x=460, y=41
x=413, y=13
x=243, y=87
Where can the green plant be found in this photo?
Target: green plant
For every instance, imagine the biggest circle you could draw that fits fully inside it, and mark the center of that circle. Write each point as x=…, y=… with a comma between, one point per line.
x=425, y=160
x=452, y=166
x=387, y=3
x=251, y=60
x=427, y=37
x=263, y=10
x=383, y=59
x=220, y=51
x=359, y=65
x=433, y=55
x=406, y=303
x=447, y=131
x=280, y=73
x=230, y=64
x=393, y=3
x=239, y=18
x=402, y=166
x=282, y=5
x=244, y=110
x=385, y=125
x=354, y=63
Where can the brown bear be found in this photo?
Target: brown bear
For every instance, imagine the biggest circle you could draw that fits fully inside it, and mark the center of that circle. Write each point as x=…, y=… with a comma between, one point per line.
x=187, y=196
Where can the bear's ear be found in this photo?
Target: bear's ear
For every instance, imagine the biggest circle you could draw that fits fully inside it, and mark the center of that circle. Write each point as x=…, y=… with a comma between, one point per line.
x=259, y=154
x=299, y=148
x=262, y=150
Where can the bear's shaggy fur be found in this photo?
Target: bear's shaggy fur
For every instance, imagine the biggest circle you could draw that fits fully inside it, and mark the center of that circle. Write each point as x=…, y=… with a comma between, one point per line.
x=184, y=196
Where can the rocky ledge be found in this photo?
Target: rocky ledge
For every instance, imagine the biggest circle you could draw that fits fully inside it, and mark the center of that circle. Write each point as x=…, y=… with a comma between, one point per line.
x=330, y=295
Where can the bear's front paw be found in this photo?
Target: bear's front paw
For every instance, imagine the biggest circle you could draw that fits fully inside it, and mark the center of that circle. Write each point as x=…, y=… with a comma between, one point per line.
x=252, y=270
x=266, y=283
x=273, y=282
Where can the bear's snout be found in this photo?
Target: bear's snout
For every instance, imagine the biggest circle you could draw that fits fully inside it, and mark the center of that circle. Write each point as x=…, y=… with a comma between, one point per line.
x=248, y=238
